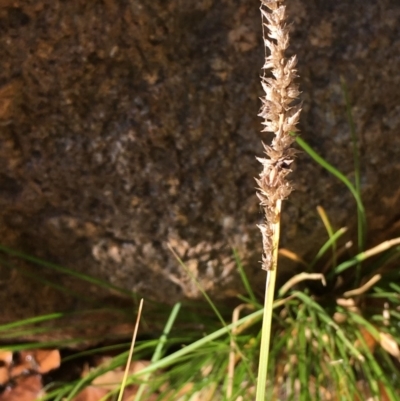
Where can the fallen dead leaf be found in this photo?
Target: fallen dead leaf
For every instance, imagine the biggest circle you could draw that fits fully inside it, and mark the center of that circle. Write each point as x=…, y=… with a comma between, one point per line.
x=47, y=359
x=389, y=344
x=91, y=393
x=6, y=357
x=26, y=388
x=383, y=393
x=363, y=388
x=182, y=392
x=5, y=362
x=113, y=378
x=40, y=361
x=369, y=340
x=4, y=375
x=109, y=380
x=339, y=317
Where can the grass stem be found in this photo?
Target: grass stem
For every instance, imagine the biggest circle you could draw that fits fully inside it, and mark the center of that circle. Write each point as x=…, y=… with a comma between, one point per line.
x=267, y=314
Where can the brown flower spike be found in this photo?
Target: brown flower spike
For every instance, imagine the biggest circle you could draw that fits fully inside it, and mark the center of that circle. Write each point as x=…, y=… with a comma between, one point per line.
x=280, y=118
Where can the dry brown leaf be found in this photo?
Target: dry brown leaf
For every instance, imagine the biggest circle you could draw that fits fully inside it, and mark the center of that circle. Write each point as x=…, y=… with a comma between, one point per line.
x=339, y=317
x=47, y=360
x=384, y=396
x=39, y=360
x=96, y=393
x=27, y=388
x=91, y=393
x=6, y=357
x=389, y=344
x=27, y=362
x=4, y=375
x=365, y=391
x=131, y=391
x=137, y=366
x=24, y=367
x=113, y=378
x=205, y=394
x=369, y=340
x=130, y=394
x=109, y=380
x=182, y=392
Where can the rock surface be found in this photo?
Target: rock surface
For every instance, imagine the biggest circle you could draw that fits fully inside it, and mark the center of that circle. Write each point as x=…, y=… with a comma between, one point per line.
x=130, y=125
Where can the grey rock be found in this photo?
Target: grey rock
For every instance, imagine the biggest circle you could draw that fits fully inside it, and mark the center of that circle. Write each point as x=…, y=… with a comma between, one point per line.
x=131, y=127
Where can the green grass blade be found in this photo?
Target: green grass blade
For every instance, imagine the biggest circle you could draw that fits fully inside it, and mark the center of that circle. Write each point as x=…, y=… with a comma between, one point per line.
x=356, y=159
x=324, y=317
x=375, y=374
x=163, y=339
x=189, y=351
x=244, y=278
x=328, y=244
x=356, y=153
x=160, y=346
x=64, y=270
x=32, y=320
x=45, y=282
x=97, y=351
x=347, y=381
x=302, y=358
x=266, y=331
x=168, y=360
x=389, y=256
x=201, y=289
x=381, y=248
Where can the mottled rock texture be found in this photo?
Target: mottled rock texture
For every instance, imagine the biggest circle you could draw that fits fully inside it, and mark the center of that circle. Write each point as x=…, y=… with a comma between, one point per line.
x=128, y=125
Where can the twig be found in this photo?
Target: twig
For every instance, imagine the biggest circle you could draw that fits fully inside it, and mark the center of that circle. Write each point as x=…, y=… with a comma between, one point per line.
x=298, y=278
x=364, y=288
x=128, y=363
x=233, y=348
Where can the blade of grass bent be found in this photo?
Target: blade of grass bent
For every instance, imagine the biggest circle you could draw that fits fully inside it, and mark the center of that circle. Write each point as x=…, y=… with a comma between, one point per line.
x=204, y=293
x=328, y=244
x=321, y=161
x=329, y=230
x=32, y=320
x=387, y=257
x=367, y=254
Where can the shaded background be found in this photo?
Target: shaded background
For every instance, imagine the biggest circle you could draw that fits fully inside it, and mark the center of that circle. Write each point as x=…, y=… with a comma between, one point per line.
x=128, y=125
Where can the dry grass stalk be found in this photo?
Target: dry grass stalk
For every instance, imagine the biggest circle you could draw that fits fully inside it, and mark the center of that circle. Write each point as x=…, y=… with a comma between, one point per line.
x=280, y=117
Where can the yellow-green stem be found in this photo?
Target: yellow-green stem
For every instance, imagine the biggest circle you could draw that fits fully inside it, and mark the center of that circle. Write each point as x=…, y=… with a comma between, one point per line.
x=268, y=308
